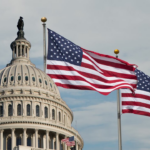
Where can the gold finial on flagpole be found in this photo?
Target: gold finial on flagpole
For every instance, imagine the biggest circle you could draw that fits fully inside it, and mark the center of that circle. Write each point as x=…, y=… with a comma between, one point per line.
x=116, y=51
x=43, y=19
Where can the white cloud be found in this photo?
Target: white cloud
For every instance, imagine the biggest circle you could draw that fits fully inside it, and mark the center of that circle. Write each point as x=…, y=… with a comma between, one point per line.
x=98, y=123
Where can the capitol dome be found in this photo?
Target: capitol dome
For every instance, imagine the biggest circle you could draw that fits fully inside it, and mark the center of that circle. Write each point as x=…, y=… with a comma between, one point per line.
x=32, y=114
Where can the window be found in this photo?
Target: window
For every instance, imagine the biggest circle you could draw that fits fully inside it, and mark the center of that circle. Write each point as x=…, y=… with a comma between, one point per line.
x=9, y=143
x=10, y=110
x=18, y=141
x=50, y=85
x=19, y=78
x=39, y=143
x=45, y=82
x=59, y=116
x=46, y=112
x=37, y=111
x=29, y=141
x=33, y=79
x=19, y=110
x=1, y=111
x=28, y=110
x=12, y=78
x=26, y=78
x=5, y=79
x=53, y=114
x=40, y=80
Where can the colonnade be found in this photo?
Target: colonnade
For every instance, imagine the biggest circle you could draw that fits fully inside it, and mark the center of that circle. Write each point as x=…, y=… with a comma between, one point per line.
x=46, y=145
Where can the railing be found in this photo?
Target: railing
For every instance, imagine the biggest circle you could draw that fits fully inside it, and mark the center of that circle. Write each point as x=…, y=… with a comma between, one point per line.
x=21, y=147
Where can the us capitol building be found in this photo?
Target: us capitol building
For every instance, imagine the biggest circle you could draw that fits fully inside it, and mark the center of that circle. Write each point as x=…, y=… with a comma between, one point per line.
x=32, y=114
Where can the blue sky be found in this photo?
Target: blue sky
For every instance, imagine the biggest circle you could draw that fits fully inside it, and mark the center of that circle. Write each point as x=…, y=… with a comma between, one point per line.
x=98, y=25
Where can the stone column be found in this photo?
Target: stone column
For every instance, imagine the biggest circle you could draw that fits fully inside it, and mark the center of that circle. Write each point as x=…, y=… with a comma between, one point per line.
x=50, y=112
x=56, y=115
x=41, y=111
x=57, y=141
x=12, y=138
x=23, y=109
x=76, y=145
x=36, y=138
x=33, y=109
x=33, y=140
x=62, y=117
x=16, y=50
x=66, y=120
x=4, y=109
x=13, y=53
x=24, y=137
x=21, y=50
x=27, y=52
x=65, y=144
x=47, y=139
x=1, y=139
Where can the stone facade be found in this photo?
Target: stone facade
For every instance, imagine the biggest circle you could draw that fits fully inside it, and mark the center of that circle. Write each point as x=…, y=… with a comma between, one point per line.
x=32, y=114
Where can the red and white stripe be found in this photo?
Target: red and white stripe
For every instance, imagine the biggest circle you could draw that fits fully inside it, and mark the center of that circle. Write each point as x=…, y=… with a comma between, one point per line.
x=137, y=104
x=65, y=140
x=102, y=73
x=70, y=143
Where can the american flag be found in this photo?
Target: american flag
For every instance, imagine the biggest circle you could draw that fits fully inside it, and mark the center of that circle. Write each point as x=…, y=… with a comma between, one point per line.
x=69, y=141
x=71, y=66
x=65, y=140
x=140, y=102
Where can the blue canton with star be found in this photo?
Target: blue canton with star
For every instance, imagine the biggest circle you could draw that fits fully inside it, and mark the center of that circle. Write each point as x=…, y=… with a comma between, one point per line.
x=143, y=81
x=61, y=49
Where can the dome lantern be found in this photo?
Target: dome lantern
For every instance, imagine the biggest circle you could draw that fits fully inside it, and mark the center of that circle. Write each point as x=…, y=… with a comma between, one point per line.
x=20, y=47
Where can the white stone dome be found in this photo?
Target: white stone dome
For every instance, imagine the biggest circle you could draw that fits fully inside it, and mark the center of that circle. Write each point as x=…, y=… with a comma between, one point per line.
x=26, y=76
x=32, y=114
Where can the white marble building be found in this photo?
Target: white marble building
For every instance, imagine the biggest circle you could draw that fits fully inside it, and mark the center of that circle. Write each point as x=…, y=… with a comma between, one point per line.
x=32, y=114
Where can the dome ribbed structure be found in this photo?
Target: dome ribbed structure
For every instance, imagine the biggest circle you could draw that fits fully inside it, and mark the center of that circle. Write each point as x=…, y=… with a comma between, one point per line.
x=32, y=114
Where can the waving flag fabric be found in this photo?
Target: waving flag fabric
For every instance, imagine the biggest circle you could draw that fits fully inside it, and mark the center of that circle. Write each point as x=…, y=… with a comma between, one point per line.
x=65, y=140
x=69, y=141
x=71, y=66
x=140, y=102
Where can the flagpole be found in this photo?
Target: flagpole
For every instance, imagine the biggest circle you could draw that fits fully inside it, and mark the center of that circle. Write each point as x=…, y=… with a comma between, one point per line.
x=116, y=51
x=44, y=19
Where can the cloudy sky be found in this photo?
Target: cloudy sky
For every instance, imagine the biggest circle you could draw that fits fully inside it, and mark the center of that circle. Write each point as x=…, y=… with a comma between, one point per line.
x=98, y=25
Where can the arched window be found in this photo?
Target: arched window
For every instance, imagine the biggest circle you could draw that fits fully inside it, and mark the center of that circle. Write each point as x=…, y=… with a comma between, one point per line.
x=19, y=78
x=10, y=110
x=46, y=112
x=26, y=78
x=5, y=79
x=1, y=111
x=29, y=141
x=39, y=143
x=28, y=110
x=53, y=114
x=9, y=143
x=37, y=111
x=12, y=78
x=18, y=141
x=59, y=116
x=19, y=110
x=33, y=79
